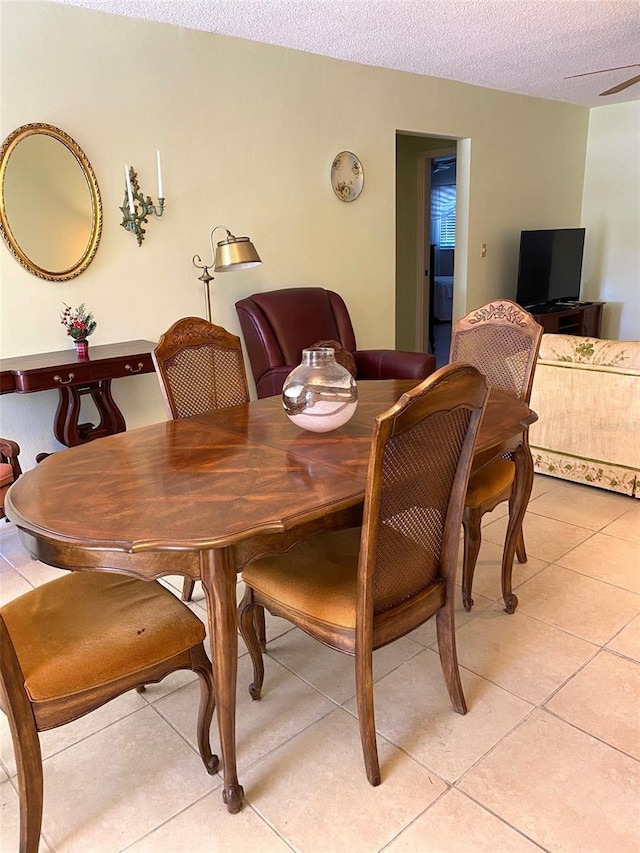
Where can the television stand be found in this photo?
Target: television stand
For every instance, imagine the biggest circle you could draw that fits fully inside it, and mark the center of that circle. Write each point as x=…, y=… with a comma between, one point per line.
x=569, y=318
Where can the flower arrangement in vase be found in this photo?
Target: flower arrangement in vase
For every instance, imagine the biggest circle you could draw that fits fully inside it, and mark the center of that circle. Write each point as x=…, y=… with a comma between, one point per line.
x=79, y=324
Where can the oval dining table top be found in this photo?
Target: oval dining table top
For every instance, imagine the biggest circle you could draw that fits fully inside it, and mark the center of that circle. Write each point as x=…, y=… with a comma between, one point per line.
x=214, y=479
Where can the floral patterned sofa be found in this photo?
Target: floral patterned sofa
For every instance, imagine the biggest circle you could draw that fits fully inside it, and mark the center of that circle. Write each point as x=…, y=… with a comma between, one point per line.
x=586, y=392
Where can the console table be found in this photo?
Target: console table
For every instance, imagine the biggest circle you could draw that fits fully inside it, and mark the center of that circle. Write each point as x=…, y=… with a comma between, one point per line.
x=74, y=378
x=583, y=319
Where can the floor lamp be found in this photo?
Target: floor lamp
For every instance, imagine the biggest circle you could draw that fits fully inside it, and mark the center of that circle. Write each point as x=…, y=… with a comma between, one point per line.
x=232, y=253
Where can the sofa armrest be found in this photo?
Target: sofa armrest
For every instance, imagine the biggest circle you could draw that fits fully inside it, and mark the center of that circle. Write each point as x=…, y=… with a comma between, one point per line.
x=393, y=364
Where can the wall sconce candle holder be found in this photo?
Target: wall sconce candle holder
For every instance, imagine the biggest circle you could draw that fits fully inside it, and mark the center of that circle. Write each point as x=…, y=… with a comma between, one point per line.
x=136, y=208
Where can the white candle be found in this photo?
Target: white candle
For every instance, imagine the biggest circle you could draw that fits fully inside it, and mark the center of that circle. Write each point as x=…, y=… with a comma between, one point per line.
x=129, y=193
x=160, y=192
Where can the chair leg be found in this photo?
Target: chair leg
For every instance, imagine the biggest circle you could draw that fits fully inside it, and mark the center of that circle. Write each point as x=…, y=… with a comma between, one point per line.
x=247, y=622
x=446, y=633
x=366, y=716
x=521, y=553
x=200, y=665
x=509, y=597
x=187, y=589
x=30, y=782
x=471, y=519
x=261, y=627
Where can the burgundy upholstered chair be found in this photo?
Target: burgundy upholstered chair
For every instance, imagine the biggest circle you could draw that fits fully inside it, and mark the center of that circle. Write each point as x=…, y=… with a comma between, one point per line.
x=278, y=324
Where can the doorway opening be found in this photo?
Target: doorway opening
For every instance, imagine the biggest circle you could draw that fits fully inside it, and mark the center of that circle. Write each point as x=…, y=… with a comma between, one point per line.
x=430, y=284
x=440, y=230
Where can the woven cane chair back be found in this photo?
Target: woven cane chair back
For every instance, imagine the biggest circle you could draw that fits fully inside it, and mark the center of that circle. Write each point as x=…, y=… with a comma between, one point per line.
x=418, y=473
x=502, y=340
x=200, y=368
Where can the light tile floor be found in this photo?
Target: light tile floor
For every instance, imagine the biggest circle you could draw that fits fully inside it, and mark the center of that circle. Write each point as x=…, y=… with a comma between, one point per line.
x=547, y=758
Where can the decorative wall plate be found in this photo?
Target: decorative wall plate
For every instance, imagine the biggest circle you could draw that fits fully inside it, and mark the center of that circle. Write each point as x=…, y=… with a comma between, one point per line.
x=347, y=176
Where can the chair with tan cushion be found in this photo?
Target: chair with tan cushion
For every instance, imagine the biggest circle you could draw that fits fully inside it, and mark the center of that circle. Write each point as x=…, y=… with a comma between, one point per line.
x=356, y=590
x=502, y=340
x=73, y=644
x=201, y=368
x=10, y=468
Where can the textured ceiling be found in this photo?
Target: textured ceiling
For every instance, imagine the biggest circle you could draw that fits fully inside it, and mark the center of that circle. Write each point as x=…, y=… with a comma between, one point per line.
x=523, y=46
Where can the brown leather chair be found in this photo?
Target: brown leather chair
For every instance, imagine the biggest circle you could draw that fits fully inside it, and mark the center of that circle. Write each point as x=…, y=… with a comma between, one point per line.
x=200, y=368
x=357, y=590
x=73, y=644
x=502, y=340
x=10, y=468
x=277, y=325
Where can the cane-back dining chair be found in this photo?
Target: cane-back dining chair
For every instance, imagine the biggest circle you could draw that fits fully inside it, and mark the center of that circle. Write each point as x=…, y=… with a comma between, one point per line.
x=73, y=644
x=358, y=589
x=200, y=368
x=502, y=340
x=10, y=468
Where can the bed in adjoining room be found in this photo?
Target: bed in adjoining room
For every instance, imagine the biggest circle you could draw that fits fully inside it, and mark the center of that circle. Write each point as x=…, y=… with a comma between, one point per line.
x=443, y=298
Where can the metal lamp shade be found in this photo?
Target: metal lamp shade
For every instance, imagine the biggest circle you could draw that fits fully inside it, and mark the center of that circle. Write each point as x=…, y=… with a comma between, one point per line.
x=235, y=253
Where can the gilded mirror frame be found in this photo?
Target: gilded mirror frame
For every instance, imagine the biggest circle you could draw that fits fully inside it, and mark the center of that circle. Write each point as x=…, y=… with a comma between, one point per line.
x=8, y=147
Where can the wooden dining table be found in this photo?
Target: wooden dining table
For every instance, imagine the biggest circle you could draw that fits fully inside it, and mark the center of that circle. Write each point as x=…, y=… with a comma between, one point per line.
x=204, y=495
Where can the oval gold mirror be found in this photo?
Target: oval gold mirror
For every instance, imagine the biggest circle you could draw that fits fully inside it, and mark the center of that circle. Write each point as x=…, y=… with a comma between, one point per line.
x=50, y=206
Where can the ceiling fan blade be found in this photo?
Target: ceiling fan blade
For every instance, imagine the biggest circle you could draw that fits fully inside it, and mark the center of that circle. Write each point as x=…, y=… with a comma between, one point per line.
x=602, y=71
x=615, y=89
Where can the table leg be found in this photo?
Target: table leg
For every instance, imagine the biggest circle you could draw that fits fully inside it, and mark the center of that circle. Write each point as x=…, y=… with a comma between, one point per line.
x=522, y=486
x=219, y=582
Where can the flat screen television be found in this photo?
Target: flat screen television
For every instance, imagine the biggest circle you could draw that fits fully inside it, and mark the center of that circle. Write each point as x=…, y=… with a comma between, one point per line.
x=550, y=266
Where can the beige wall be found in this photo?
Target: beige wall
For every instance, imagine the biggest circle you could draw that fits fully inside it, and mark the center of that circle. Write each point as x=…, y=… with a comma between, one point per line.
x=247, y=134
x=611, y=215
